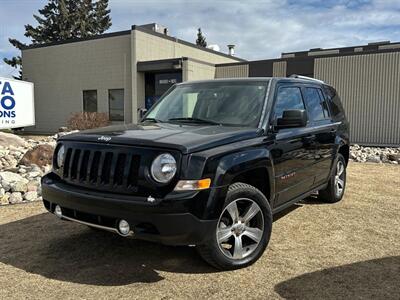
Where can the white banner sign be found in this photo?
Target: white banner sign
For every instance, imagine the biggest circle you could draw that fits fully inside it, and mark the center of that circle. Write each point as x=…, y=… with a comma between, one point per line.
x=16, y=103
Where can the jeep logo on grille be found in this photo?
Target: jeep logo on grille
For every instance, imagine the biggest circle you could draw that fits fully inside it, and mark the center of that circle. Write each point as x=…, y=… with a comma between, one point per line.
x=104, y=138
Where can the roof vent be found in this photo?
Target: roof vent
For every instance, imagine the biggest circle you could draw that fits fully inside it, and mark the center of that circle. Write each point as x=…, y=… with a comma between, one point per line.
x=231, y=50
x=155, y=27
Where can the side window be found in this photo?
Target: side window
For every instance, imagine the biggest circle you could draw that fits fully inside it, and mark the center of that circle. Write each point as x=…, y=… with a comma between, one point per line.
x=287, y=98
x=334, y=101
x=324, y=104
x=314, y=104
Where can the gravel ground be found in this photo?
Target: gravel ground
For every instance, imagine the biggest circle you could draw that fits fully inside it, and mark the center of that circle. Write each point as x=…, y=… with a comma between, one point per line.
x=347, y=250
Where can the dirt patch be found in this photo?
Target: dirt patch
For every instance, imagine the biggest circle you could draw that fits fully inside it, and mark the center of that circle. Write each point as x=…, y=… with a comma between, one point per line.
x=346, y=250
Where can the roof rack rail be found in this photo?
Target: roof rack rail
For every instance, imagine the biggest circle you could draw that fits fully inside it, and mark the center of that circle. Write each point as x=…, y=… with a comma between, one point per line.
x=305, y=78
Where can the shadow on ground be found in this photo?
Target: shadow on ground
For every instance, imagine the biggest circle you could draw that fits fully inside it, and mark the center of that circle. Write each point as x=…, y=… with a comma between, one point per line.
x=372, y=279
x=70, y=252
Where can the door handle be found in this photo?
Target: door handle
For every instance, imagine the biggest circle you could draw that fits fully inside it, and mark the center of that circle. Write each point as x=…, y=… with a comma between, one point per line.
x=309, y=139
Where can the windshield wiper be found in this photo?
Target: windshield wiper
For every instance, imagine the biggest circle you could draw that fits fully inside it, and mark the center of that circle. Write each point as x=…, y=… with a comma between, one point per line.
x=195, y=120
x=152, y=120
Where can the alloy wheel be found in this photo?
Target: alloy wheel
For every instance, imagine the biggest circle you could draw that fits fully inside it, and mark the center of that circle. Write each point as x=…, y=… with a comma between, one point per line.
x=339, y=179
x=240, y=228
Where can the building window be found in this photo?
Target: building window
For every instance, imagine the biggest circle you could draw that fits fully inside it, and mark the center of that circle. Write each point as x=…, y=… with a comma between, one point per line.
x=90, y=101
x=116, y=104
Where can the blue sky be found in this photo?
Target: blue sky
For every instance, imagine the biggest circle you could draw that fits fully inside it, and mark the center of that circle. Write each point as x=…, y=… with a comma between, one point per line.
x=260, y=28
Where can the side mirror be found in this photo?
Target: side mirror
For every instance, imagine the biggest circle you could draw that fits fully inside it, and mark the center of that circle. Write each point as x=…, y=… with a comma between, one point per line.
x=142, y=112
x=292, y=119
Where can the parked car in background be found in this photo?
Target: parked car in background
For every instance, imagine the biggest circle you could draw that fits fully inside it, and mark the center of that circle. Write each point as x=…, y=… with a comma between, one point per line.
x=209, y=165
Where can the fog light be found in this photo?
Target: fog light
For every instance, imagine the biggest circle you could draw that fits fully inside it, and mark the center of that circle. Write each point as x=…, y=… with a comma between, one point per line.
x=58, y=211
x=123, y=227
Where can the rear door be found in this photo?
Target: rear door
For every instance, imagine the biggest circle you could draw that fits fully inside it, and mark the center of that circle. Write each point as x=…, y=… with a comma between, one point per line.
x=321, y=134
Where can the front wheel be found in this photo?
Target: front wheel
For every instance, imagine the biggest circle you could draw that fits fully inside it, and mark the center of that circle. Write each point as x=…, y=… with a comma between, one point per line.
x=243, y=229
x=337, y=183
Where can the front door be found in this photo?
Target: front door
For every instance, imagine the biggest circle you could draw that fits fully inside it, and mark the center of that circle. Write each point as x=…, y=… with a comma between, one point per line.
x=291, y=149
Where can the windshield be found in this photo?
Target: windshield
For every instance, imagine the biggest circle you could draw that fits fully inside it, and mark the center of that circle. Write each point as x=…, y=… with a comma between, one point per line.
x=226, y=103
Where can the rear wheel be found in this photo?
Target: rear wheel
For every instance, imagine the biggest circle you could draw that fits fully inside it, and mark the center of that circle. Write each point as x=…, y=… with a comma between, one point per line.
x=243, y=229
x=337, y=183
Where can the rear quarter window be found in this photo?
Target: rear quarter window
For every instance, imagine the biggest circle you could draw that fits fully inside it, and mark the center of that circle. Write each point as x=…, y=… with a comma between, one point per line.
x=333, y=99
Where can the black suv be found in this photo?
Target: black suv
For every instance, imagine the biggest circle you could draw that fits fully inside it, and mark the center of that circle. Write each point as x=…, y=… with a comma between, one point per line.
x=209, y=165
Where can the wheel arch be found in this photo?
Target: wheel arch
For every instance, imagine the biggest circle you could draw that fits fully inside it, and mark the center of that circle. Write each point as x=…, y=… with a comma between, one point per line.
x=245, y=166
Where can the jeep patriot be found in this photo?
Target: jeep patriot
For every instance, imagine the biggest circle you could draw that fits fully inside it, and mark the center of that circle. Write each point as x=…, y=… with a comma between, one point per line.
x=207, y=166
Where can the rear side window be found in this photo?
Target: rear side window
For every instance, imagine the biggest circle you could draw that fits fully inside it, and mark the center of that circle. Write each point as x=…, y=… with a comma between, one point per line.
x=324, y=104
x=288, y=98
x=315, y=104
x=334, y=101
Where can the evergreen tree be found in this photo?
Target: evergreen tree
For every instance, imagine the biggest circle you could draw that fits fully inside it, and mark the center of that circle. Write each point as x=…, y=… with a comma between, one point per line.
x=101, y=16
x=201, y=40
x=61, y=20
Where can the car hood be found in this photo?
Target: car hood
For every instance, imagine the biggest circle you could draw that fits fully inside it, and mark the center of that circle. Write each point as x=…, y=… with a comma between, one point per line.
x=185, y=138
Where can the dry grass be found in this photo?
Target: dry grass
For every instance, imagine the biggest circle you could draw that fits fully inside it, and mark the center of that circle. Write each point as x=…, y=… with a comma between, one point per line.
x=346, y=250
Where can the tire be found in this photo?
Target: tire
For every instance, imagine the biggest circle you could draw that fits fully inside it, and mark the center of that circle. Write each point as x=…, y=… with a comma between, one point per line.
x=253, y=218
x=337, y=183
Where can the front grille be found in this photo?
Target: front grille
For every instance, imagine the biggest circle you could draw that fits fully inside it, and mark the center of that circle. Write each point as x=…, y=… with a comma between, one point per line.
x=107, y=169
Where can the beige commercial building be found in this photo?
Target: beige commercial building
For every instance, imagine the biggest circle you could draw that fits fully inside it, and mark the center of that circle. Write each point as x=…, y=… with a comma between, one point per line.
x=119, y=73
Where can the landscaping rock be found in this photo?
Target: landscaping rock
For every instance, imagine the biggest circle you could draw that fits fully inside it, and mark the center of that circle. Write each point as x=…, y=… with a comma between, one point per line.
x=19, y=186
x=40, y=155
x=374, y=158
x=6, y=185
x=10, y=176
x=34, y=174
x=22, y=171
x=31, y=196
x=15, y=197
x=32, y=186
x=9, y=139
x=4, y=200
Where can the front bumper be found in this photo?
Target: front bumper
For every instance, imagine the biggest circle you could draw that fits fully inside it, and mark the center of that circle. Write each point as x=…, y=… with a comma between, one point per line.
x=169, y=222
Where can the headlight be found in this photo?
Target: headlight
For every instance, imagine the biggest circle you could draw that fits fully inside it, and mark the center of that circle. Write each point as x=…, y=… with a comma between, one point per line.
x=60, y=157
x=163, y=168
